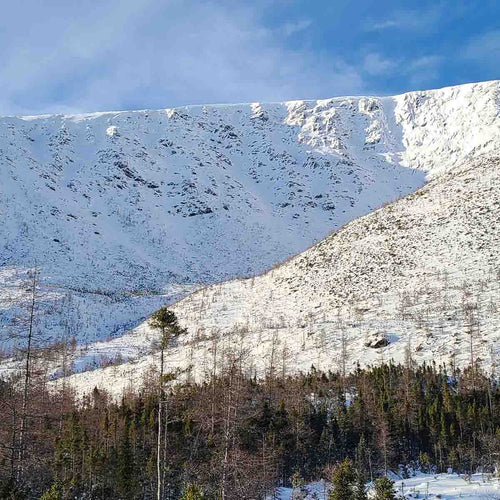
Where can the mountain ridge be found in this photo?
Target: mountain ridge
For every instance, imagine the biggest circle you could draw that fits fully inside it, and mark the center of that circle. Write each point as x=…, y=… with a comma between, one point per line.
x=90, y=114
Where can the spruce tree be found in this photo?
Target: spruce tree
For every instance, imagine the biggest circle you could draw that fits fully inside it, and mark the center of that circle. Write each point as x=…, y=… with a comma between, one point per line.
x=192, y=492
x=360, y=487
x=297, y=480
x=343, y=481
x=384, y=489
x=126, y=473
x=54, y=493
x=362, y=453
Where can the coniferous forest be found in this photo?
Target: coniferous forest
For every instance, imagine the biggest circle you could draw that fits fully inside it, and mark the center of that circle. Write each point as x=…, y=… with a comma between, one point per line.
x=235, y=436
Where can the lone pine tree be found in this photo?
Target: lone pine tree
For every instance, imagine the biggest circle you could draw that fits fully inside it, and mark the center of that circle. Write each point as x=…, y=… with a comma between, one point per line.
x=165, y=321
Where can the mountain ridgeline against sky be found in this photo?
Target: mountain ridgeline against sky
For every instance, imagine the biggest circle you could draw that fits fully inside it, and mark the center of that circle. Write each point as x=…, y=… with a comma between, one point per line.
x=121, y=212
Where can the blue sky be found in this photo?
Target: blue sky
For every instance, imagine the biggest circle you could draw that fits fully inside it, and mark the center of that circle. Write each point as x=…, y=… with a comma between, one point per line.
x=88, y=55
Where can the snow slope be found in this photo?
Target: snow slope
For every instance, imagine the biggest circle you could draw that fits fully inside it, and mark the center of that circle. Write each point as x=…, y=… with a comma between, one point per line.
x=419, y=274
x=124, y=211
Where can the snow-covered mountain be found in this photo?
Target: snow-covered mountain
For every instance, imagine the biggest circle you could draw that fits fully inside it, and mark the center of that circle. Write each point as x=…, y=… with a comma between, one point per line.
x=122, y=211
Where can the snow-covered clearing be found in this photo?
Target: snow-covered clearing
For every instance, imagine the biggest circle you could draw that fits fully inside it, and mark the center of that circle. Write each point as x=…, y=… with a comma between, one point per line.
x=444, y=486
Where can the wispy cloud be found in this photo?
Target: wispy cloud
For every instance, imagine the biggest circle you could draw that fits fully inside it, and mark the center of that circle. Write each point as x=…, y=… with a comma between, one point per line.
x=144, y=53
x=424, y=63
x=484, y=49
x=423, y=70
x=416, y=71
x=131, y=54
x=409, y=20
x=376, y=64
x=291, y=28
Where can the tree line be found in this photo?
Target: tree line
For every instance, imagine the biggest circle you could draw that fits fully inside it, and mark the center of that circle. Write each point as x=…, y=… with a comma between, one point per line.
x=234, y=436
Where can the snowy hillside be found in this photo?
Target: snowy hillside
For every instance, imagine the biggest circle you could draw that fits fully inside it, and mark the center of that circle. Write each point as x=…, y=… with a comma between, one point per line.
x=421, y=273
x=125, y=211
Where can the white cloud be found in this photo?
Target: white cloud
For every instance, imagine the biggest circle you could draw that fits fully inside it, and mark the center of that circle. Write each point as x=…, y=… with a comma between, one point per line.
x=144, y=53
x=484, y=49
x=410, y=20
x=376, y=64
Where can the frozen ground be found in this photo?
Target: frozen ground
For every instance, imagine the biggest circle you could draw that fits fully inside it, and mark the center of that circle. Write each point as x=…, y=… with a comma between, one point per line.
x=450, y=487
x=444, y=486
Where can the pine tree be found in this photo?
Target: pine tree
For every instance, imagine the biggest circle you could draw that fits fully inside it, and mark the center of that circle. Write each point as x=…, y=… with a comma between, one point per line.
x=27, y=376
x=166, y=322
x=360, y=487
x=343, y=480
x=384, y=489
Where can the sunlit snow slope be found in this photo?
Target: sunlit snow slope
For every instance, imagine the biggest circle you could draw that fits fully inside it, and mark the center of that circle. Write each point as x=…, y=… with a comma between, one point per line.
x=120, y=210
x=421, y=274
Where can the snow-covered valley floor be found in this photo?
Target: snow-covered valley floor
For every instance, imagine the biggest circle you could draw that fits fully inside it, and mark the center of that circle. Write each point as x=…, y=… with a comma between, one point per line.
x=444, y=486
